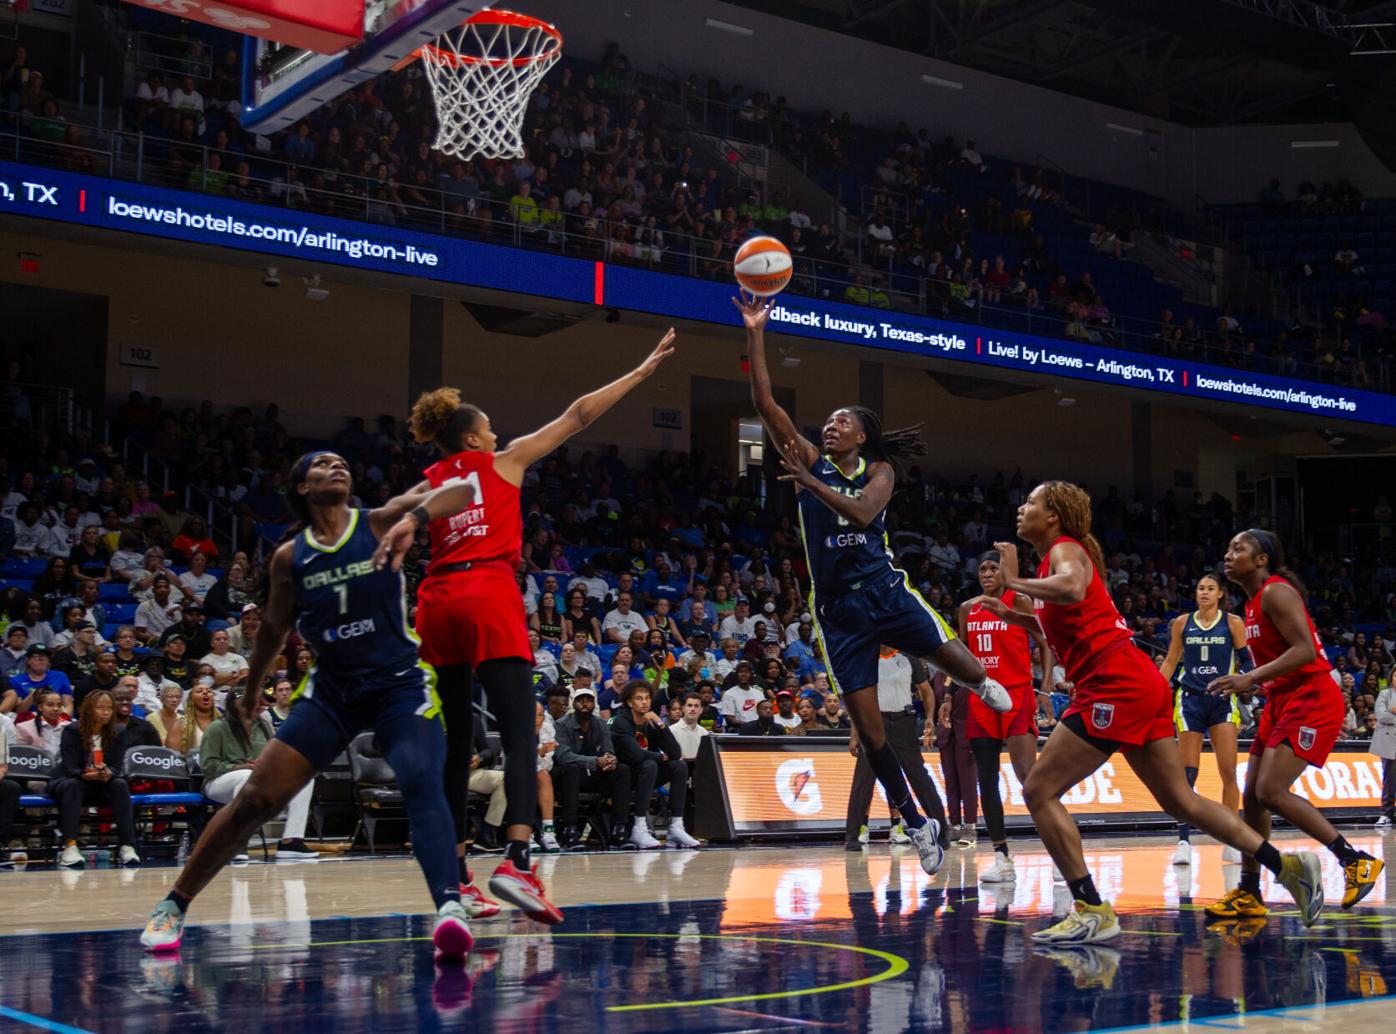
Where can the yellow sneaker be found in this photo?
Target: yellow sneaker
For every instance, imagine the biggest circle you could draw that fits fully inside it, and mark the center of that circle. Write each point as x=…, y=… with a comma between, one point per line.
x=1302, y=876
x=1359, y=877
x=1363, y=979
x=1090, y=965
x=1087, y=924
x=1238, y=931
x=1237, y=904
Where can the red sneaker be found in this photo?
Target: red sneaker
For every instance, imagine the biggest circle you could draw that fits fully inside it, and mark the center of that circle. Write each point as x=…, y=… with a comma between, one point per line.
x=524, y=891
x=476, y=904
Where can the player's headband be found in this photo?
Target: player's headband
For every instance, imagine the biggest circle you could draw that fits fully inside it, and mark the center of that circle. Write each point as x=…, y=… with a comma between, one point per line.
x=1269, y=545
x=301, y=470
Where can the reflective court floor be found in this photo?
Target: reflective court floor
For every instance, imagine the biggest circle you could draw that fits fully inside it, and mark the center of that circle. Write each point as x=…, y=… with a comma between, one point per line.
x=753, y=939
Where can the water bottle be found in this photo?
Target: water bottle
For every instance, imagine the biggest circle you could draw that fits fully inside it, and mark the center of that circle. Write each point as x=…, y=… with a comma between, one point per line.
x=183, y=851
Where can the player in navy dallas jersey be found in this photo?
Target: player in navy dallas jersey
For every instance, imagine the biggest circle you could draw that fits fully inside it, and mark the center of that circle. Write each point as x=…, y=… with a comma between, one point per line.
x=1205, y=645
x=366, y=675
x=859, y=600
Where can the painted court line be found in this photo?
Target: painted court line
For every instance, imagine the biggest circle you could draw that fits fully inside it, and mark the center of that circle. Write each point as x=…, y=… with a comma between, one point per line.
x=39, y=1021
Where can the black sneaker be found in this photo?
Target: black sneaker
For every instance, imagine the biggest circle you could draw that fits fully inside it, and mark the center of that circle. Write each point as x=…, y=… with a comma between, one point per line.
x=295, y=851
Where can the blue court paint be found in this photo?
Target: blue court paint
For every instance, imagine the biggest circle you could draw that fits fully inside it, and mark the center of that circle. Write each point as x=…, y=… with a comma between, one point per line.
x=40, y=1022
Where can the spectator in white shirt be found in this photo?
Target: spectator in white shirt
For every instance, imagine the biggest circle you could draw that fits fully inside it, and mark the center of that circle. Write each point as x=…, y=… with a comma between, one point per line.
x=785, y=715
x=970, y=155
x=739, y=624
x=187, y=100
x=799, y=218
x=596, y=587
x=687, y=732
x=242, y=637
x=543, y=660
x=128, y=561
x=32, y=538
x=620, y=622
x=196, y=582
x=152, y=682
x=229, y=669
x=739, y=700
x=944, y=556
x=157, y=613
x=142, y=583
x=727, y=663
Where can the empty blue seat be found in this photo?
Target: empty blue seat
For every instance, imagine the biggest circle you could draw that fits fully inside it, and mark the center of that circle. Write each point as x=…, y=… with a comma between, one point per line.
x=113, y=592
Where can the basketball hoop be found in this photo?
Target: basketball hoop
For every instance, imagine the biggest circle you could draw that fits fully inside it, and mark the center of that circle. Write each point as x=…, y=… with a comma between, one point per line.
x=482, y=74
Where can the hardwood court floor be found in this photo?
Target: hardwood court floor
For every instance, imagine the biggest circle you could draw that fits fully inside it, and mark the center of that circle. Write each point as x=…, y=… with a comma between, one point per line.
x=752, y=939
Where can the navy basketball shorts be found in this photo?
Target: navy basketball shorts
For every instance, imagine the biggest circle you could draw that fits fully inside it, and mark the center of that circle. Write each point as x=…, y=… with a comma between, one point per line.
x=855, y=622
x=329, y=712
x=1198, y=712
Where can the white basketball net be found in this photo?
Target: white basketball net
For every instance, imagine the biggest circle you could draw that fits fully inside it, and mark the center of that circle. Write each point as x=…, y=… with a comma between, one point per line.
x=482, y=73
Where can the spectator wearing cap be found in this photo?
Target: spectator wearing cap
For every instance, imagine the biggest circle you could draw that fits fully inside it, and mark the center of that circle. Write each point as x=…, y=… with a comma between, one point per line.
x=740, y=699
x=655, y=758
x=178, y=668
x=785, y=715
x=15, y=651
x=698, y=656
x=157, y=613
x=36, y=675
x=104, y=677
x=585, y=759
x=150, y=682
x=763, y=724
x=229, y=668
x=78, y=659
x=739, y=624
x=192, y=626
x=242, y=637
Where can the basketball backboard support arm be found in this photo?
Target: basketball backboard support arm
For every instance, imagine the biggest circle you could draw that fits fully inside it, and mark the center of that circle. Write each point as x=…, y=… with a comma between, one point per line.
x=278, y=92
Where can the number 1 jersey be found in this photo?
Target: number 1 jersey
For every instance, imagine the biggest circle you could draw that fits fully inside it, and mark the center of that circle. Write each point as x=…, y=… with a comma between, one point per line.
x=490, y=528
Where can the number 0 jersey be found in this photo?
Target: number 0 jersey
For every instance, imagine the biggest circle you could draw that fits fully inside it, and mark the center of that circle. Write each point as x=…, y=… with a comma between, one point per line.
x=353, y=618
x=841, y=556
x=490, y=528
x=1208, y=653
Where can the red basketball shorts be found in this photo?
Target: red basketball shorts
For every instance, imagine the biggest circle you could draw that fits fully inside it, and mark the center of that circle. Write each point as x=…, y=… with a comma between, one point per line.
x=1309, y=719
x=1124, y=698
x=983, y=722
x=467, y=617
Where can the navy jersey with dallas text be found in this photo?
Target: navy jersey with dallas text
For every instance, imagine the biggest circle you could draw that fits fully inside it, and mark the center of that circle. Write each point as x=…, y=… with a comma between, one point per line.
x=839, y=555
x=353, y=618
x=1208, y=653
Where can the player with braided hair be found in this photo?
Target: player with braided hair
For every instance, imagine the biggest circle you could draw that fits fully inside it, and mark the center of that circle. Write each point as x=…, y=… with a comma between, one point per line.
x=1121, y=703
x=859, y=599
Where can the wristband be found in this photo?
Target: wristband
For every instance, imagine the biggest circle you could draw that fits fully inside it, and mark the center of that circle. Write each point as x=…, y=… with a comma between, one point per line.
x=420, y=513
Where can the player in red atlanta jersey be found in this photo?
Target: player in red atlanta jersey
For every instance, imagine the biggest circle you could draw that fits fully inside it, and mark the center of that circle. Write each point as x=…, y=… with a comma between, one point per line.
x=1303, y=716
x=469, y=611
x=1121, y=703
x=1006, y=652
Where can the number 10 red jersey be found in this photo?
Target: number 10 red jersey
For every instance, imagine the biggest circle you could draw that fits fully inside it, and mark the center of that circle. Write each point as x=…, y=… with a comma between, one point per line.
x=490, y=528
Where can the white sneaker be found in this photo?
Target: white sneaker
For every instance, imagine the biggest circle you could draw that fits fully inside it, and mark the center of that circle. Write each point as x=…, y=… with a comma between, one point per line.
x=863, y=834
x=547, y=842
x=678, y=837
x=242, y=858
x=641, y=836
x=1057, y=876
x=127, y=857
x=927, y=841
x=992, y=692
x=72, y=858
x=899, y=834
x=1182, y=854
x=1230, y=855
x=451, y=935
x=1001, y=871
x=1383, y=823
x=1084, y=925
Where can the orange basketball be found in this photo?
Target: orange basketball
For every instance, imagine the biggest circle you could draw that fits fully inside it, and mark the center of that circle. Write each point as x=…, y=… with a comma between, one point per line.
x=763, y=266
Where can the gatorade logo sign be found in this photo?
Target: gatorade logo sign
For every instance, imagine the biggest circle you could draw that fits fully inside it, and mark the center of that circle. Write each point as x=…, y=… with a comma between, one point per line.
x=167, y=762
x=797, y=787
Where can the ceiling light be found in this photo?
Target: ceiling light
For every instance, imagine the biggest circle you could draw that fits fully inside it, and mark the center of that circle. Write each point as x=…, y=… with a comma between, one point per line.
x=732, y=27
x=1131, y=130
x=1304, y=145
x=935, y=80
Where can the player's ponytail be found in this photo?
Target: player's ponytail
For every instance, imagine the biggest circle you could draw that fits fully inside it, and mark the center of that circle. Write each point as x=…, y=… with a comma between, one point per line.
x=1268, y=543
x=440, y=416
x=1072, y=505
x=892, y=447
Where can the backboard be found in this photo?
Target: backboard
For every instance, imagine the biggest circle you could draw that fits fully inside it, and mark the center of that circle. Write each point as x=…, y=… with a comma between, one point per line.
x=282, y=84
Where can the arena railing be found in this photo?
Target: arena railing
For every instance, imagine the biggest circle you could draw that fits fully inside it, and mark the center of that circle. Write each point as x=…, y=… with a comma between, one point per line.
x=144, y=159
